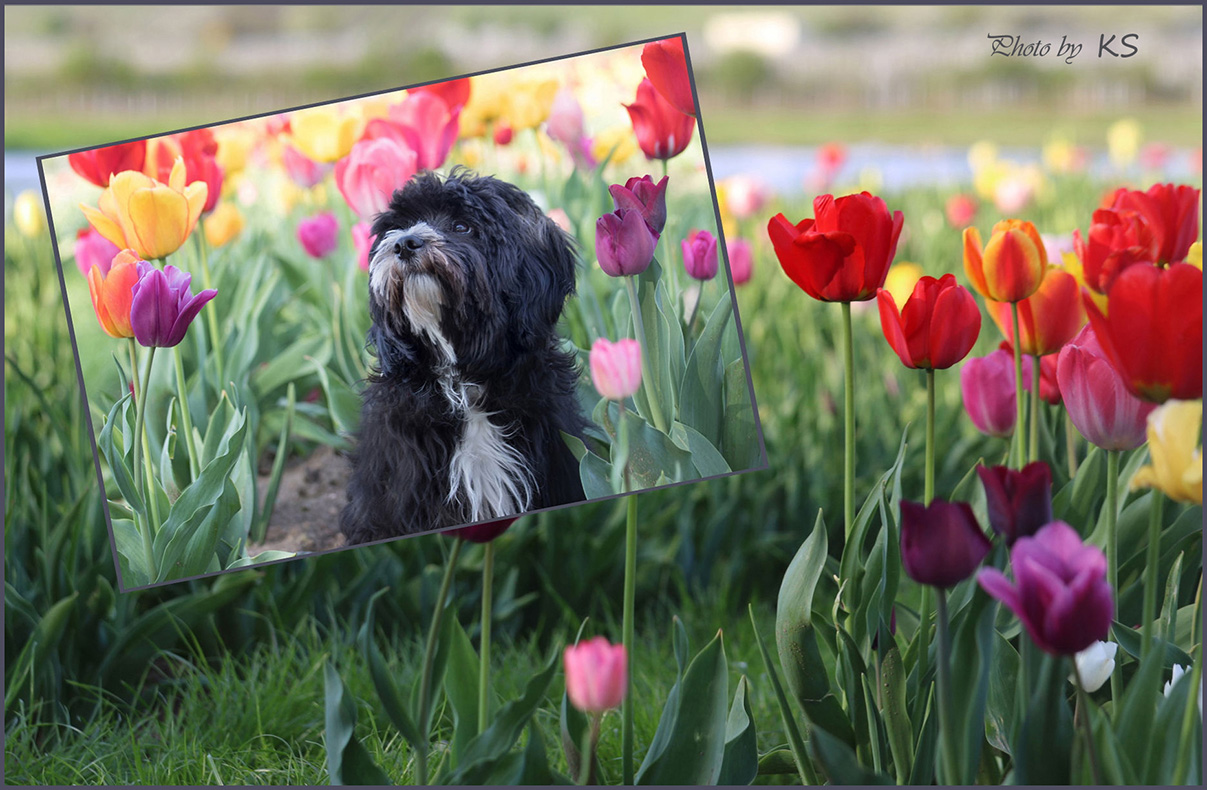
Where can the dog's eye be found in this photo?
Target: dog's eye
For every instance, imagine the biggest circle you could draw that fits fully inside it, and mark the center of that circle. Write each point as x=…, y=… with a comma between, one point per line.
x=460, y=227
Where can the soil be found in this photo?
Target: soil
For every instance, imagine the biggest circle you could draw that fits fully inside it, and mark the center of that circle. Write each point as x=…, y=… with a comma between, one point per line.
x=306, y=515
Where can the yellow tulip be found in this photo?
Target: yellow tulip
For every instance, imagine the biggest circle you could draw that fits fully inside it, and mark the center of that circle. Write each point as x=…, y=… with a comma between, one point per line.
x=235, y=144
x=28, y=215
x=137, y=212
x=1072, y=265
x=529, y=103
x=1123, y=140
x=1175, y=450
x=617, y=141
x=1195, y=255
x=223, y=224
x=324, y=134
x=901, y=280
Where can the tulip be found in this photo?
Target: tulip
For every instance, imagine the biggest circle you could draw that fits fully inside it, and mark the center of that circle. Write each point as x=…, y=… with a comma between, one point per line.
x=422, y=123
x=1048, y=318
x=844, y=253
x=960, y=210
x=662, y=131
x=644, y=196
x=741, y=260
x=163, y=305
x=1195, y=255
x=199, y=150
x=616, y=144
x=503, y=133
x=988, y=386
x=528, y=103
x=1172, y=211
x=901, y=279
x=1123, y=139
x=455, y=93
x=302, y=170
x=624, y=243
x=112, y=293
x=700, y=255
x=666, y=67
x=93, y=249
x=941, y=544
x=1097, y=400
x=483, y=533
x=1174, y=449
x=28, y=215
x=1049, y=386
x=362, y=240
x=139, y=213
x=1011, y=266
x=224, y=224
x=1117, y=238
x=936, y=328
x=368, y=176
x=1175, y=675
x=1152, y=331
x=323, y=134
x=565, y=122
x=744, y=196
x=318, y=234
x=616, y=368
x=561, y=219
x=830, y=158
x=1019, y=501
x=1060, y=591
x=597, y=675
x=1095, y=665
x=100, y=164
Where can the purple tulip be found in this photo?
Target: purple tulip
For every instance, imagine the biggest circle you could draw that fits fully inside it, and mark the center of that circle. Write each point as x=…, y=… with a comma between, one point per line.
x=483, y=533
x=1060, y=591
x=941, y=545
x=988, y=387
x=642, y=194
x=624, y=243
x=700, y=255
x=93, y=249
x=163, y=305
x=1096, y=398
x=1019, y=500
x=318, y=234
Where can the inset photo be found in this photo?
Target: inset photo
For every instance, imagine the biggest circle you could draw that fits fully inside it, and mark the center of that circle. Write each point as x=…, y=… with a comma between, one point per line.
x=441, y=306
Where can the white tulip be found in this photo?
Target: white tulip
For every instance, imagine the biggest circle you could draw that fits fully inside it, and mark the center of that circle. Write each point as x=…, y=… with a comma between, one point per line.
x=1178, y=672
x=1095, y=665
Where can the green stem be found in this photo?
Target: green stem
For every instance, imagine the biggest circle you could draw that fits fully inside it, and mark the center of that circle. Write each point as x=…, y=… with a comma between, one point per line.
x=1034, y=454
x=691, y=321
x=1083, y=702
x=630, y=597
x=429, y=657
x=1193, y=700
x=647, y=381
x=947, y=732
x=147, y=489
x=928, y=495
x=1070, y=446
x=186, y=421
x=1151, y=574
x=488, y=580
x=1019, y=450
x=586, y=773
x=848, y=466
x=1112, y=559
x=211, y=314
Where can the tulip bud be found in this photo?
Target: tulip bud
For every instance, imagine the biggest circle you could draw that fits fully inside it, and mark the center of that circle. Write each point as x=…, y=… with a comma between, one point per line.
x=666, y=67
x=1097, y=400
x=224, y=224
x=1012, y=264
x=93, y=249
x=1174, y=431
x=302, y=170
x=960, y=210
x=663, y=132
x=1019, y=501
x=1095, y=665
x=624, y=243
x=987, y=384
x=941, y=545
x=643, y=195
x=318, y=234
x=111, y=292
x=483, y=533
x=1177, y=673
x=936, y=328
x=744, y=196
x=700, y=255
x=616, y=367
x=597, y=675
x=163, y=305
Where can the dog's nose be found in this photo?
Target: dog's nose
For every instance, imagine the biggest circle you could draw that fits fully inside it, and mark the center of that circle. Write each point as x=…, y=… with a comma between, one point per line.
x=408, y=245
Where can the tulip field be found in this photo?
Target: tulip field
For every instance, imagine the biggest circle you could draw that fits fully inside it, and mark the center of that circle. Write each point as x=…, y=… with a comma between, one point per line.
x=974, y=555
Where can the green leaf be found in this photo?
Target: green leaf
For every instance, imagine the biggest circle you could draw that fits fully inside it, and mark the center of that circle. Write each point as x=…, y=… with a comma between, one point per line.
x=777, y=763
x=701, y=393
x=705, y=458
x=265, y=556
x=925, y=754
x=1043, y=751
x=971, y=659
x=118, y=457
x=739, y=432
x=43, y=644
x=803, y=766
x=1000, y=709
x=1129, y=640
x=896, y=714
x=461, y=688
x=347, y=760
x=839, y=762
x=740, y=764
x=595, y=474
x=342, y=403
x=291, y=364
x=383, y=681
x=695, y=721
x=129, y=542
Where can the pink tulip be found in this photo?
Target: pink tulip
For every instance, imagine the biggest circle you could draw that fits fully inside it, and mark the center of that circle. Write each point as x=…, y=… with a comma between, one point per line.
x=561, y=218
x=961, y=210
x=318, y=234
x=745, y=196
x=700, y=255
x=362, y=240
x=616, y=367
x=423, y=123
x=741, y=260
x=1099, y=405
x=302, y=170
x=369, y=174
x=93, y=249
x=987, y=384
x=565, y=121
x=597, y=675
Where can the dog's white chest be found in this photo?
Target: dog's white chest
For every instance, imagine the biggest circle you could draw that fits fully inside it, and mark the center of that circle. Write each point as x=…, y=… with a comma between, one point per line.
x=486, y=472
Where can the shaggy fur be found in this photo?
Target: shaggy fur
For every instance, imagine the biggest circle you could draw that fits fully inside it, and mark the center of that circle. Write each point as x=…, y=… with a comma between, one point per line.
x=462, y=418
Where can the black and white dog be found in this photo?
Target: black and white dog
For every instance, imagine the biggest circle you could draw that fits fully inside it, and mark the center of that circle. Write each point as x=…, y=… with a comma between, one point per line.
x=462, y=418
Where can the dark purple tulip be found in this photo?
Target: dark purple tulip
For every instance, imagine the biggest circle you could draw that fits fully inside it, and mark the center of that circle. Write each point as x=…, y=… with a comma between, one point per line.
x=1060, y=591
x=482, y=533
x=642, y=194
x=624, y=243
x=163, y=305
x=1019, y=500
x=941, y=545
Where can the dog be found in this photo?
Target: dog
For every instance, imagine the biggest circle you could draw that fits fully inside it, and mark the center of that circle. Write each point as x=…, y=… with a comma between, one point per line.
x=464, y=412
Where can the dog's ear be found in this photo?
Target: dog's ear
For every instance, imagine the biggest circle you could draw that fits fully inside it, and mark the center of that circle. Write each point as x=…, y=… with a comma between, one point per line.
x=547, y=277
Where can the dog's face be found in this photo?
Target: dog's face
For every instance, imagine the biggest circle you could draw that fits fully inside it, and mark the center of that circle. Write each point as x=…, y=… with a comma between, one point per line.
x=465, y=271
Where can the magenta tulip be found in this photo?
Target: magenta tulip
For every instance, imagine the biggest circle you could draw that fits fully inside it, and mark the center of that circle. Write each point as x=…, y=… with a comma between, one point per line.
x=163, y=305
x=1060, y=591
x=369, y=174
x=987, y=384
x=700, y=255
x=1019, y=500
x=741, y=260
x=624, y=243
x=93, y=249
x=941, y=545
x=483, y=533
x=318, y=234
x=362, y=240
x=616, y=367
x=302, y=170
x=643, y=195
x=1098, y=402
x=597, y=675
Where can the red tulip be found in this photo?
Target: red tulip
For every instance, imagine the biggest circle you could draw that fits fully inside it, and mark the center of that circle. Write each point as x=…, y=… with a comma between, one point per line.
x=99, y=164
x=666, y=66
x=1117, y=238
x=843, y=254
x=1049, y=385
x=199, y=150
x=662, y=131
x=1011, y=265
x=936, y=328
x=1048, y=318
x=1152, y=331
x=1097, y=400
x=455, y=93
x=483, y=533
x=941, y=544
x=1173, y=213
x=960, y=210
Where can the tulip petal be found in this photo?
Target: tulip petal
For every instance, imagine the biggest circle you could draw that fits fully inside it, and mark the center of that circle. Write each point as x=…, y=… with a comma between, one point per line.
x=188, y=311
x=104, y=225
x=160, y=216
x=954, y=327
x=890, y=323
x=974, y=265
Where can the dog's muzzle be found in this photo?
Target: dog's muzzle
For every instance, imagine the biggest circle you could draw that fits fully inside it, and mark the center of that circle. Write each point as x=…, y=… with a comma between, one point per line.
x=408, y=246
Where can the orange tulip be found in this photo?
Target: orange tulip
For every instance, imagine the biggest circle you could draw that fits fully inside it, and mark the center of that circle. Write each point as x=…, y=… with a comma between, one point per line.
x=1011, y=265
x=137, y=212
x=112, y=294
x=1049, y=318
